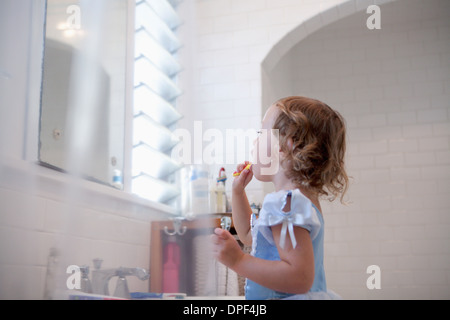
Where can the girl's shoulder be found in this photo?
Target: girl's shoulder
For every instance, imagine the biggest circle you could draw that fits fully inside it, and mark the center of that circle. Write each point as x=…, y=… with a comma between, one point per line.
x=301, y=212
x=287, y=202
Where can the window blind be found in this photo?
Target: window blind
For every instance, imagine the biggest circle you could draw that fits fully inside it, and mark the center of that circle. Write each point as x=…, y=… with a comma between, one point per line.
x=155, y=94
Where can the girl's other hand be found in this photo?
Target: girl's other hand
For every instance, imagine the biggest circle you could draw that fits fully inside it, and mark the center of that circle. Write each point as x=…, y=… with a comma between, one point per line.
x=226, y=249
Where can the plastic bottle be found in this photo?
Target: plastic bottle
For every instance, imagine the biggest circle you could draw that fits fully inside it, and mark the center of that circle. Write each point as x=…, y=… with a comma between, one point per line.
x=213, y=198
x=199, y=190
x=221, y=198
x=117, y=179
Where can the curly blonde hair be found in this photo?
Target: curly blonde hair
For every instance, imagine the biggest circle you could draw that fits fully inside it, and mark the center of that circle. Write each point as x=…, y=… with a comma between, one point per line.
x=318, y=133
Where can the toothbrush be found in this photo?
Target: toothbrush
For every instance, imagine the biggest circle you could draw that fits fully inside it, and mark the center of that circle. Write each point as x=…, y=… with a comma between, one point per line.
x=235, y=174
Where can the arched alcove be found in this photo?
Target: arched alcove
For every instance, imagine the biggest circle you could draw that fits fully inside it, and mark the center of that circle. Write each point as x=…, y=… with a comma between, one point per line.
x=392, y=87
x=271, y=63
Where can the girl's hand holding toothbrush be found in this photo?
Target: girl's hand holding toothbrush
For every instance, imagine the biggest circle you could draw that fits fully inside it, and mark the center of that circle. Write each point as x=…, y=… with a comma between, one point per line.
x=243, y=175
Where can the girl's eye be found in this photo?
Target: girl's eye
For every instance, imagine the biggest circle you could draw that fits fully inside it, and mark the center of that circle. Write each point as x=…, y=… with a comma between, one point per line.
x=259, y=132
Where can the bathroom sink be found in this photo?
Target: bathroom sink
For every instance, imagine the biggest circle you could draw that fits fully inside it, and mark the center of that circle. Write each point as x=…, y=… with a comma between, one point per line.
x=78, y=295
x=180, y=296
x=215, y=298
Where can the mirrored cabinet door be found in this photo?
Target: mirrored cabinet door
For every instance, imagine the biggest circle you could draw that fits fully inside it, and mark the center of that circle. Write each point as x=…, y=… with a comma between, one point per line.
x=83, y=88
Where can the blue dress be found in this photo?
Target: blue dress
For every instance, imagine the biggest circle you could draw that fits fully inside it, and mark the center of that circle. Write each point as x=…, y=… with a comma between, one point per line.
x=303, y=214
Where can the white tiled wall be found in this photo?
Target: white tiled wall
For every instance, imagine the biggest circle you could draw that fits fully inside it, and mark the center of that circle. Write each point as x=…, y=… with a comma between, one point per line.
x=39, y=213
x=391, y=85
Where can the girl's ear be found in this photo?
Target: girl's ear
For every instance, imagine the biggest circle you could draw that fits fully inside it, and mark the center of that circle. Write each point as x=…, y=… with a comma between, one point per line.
x=290, y=144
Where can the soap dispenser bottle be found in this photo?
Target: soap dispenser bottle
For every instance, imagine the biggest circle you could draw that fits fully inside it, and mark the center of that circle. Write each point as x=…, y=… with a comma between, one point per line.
x=171, y=266
x=213, y=198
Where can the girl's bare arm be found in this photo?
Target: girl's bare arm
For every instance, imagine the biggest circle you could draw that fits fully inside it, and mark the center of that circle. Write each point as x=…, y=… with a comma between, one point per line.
x=293, y=273
x=241, y=211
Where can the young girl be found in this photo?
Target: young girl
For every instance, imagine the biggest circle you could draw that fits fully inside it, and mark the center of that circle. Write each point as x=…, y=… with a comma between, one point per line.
x=286, y=261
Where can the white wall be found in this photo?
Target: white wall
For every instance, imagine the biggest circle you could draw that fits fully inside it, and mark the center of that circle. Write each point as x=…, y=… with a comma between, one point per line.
x=391, y=85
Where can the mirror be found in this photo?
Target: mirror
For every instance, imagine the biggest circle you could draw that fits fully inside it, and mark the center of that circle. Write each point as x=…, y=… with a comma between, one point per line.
x=83, y=88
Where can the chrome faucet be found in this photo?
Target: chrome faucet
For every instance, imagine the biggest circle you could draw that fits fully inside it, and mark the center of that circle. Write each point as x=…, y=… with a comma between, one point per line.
x=86, y=285
x=101, y=277
x=122, y=285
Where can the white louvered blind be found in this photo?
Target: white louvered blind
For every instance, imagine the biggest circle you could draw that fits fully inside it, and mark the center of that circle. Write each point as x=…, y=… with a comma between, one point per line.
x=155, y=93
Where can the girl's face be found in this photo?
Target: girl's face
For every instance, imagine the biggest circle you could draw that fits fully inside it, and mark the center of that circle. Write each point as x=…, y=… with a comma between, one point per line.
x=266, y=148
